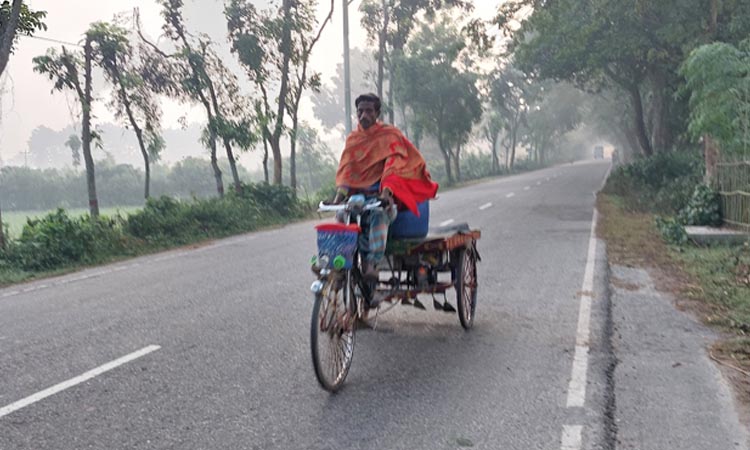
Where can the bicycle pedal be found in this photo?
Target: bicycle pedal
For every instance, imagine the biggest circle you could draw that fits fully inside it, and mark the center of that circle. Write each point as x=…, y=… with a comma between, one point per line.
x=447, y=307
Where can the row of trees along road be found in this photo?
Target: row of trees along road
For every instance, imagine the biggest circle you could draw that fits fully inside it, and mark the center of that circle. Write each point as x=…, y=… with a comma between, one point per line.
x=430, y=64
x=629, y=52
x=443, y=79
x=274, y=45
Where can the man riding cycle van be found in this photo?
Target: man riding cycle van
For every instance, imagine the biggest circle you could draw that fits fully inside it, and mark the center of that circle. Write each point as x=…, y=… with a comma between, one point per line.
x=378, y=161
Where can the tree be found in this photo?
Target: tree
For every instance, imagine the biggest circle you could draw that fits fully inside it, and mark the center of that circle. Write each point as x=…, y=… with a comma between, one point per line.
x=718, y=79
x=304, y=39
x=390, y=24
x=74, y=144
x=194, y=72
x=317, y=164
x=554, y=111
x=491, y=129
x=636, y=46
x=509, y=92
x=444, y=100
x=63, y=69
x=262, y=41
x=16, y=19
x=131, y=98
x=328, y=104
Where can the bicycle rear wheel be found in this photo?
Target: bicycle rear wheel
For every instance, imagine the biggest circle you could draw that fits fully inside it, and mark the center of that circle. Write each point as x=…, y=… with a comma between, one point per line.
x=332, y=334
x=466, y=286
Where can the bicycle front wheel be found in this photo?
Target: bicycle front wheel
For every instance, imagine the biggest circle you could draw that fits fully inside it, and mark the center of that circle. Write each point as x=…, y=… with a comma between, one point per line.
x=332, y=334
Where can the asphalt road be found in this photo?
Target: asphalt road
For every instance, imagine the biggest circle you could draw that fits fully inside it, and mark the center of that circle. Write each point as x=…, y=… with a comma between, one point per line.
x=232, y=368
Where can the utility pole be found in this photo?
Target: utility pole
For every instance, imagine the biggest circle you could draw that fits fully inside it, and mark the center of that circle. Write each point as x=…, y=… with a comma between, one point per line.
x=347, y=74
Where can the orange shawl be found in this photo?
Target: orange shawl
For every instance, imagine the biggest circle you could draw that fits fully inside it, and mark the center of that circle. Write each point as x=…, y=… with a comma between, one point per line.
x=382, y=154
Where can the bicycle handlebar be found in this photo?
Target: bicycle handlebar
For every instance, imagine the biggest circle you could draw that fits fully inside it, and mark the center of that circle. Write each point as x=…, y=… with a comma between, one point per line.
x=322, y=207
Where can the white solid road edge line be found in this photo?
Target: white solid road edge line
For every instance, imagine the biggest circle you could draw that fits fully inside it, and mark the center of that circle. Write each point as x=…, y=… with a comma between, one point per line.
x=577, y=386
x=5, y=410
x=572, y=437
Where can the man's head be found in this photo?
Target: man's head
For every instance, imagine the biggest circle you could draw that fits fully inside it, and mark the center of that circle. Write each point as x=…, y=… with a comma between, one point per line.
x=368, y=109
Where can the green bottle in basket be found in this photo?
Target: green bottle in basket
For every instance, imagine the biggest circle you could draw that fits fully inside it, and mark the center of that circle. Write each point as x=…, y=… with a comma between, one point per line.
x=339, y=262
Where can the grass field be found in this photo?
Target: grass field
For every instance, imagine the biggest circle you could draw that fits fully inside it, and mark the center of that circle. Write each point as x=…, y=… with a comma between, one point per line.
x=15, y=220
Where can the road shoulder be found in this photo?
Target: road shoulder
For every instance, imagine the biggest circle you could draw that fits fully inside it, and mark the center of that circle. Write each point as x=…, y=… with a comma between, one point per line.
x=669, y=394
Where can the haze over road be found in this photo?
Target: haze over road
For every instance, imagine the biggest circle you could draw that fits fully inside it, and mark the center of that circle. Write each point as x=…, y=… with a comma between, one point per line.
x=223, y=332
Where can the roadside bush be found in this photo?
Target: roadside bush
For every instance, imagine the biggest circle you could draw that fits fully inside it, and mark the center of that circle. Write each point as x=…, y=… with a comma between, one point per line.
x=672, y=230
x=169, y=221
x=475, y=166
x=277, y=200
x=703, y=208
x=57, y=240
x=163, y=220
x=663, y=183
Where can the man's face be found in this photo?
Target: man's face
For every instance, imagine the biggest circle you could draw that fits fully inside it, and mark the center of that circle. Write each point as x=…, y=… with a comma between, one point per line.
x=367, y=114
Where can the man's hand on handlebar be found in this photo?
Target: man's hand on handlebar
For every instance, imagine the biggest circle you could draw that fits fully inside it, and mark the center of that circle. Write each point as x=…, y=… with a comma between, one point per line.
x=386, y=198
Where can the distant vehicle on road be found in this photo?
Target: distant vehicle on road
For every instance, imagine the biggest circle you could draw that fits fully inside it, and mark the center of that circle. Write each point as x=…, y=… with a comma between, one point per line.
x=598, y=152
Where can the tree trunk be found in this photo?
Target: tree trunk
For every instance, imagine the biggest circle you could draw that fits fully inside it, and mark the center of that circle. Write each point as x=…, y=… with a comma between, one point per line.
x=513, y=141
x=227, y=145
x=212, y=146
x=457, y=162
x=640, y=126
x=381, y=49
x=391, y=105
x=495, y=158
x=233, y=166
x=265, y=159
x=712, y=23
x=446, y=158
x=138, y=134
x=86, y=131
x=286, y=48
x=293, y=155
x=660, y=129
x=711, y=155
x=6, y=40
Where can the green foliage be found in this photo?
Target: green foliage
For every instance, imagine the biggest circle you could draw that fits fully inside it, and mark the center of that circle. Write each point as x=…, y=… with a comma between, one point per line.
x=29, y=21
x=476, y=165
x=271, y=198
x=672, y=230
x=166, y=221
x=663, y=183
x=117, y=184
x=444, y=99
x=58, y=240
x=718, y=78
x=703, y=208
x=163, y=219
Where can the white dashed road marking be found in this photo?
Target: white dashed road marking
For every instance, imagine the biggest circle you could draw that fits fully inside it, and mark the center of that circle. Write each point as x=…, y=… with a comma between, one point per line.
x=5, y=410
x=572, y=437
x=485, y=206
x=512, y=194
x=446, y=223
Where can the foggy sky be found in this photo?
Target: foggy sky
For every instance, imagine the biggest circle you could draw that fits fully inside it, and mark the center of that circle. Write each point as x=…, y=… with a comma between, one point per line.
x=28, y=103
